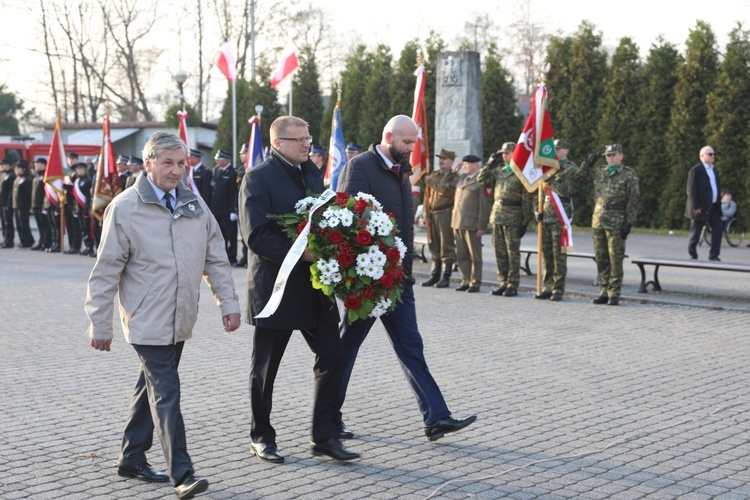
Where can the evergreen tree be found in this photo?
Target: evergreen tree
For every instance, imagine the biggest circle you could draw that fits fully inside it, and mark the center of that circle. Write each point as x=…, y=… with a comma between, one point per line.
x=559, y=82
x=500, y=120
x=687, y=129
x=193, y=120
x=403, y=82
x=376, y=105
x=262, y=93
x=306, y=97
x=659, y=77
x=325, y=124
x=353, y=80
x=224, y=127
x=10, y=106
x=580, y=111
x=618, y=121
x=729, y=117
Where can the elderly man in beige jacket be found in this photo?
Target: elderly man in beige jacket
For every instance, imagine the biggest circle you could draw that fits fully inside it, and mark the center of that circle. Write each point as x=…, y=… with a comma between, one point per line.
x=158, y=240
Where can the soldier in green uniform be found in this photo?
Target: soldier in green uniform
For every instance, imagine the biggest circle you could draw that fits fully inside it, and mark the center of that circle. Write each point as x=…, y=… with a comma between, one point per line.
x=510, y=217
x=616, y=196
x=440, y=192
x=563, y=182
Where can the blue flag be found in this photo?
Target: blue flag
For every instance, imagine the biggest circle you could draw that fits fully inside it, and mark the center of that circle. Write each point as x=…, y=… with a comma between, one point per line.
x=255, y=149
x=336, y=152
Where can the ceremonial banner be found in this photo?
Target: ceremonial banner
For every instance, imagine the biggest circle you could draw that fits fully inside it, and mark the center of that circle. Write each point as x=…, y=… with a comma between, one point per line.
x=255, y=144
x=107, y=181
x=227, y=63
x=187, y=176
x=336, y=149
x=287, y=64
x=298, y=247
x=420, y=157
x=535, y=157
x=56, y=167
x=566, y=236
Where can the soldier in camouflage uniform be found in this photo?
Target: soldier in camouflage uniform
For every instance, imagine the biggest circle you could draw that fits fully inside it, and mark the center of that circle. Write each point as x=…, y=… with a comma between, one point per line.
x=510, y=217
x=563, y=182
x=616, y=196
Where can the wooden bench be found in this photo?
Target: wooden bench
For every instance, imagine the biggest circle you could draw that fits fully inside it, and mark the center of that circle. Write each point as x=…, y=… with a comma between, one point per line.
x=420, y=240
x=529, y=251
x=642, y=262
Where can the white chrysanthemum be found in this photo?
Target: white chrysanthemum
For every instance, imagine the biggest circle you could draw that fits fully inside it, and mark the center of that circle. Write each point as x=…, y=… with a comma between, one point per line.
x=304, y=205
x=346, y=217
x=331, y=216
x=380, y=308
x=376, y=256
x=370, y=198
x=380, y=223
x=401, y=248
x=329, y=271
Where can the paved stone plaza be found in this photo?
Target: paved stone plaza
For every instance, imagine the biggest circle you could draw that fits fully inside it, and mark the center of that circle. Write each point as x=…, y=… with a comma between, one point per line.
x=646, y=400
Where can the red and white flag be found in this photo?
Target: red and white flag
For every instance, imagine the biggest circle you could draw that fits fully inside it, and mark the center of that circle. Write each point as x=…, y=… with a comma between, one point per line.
x=107, y=181
x=287, y=64
x=227, y=63
x=187, y=177
x=55, y=174
x=420, y=157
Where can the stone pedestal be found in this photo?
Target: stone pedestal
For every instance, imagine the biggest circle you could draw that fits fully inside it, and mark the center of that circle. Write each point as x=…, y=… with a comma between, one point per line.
x=458, y=104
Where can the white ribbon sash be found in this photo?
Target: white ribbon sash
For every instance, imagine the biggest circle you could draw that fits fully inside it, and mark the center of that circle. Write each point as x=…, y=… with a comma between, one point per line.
x=298, y=248
x=566, y=237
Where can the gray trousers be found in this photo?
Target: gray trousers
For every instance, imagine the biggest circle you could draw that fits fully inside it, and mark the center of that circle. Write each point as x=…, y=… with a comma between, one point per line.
x=156, y=407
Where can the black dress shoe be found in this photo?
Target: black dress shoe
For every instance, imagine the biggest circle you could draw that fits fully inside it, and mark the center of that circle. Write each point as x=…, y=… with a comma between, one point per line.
x=511, y=292
x=614, y=300
x=72, y=251
x=601, y=299
x=143, y=472
x=87, y=251
x=446, y=425
x=543, y=295
x=191, y=487
x=443, y=283
x=241, y=263
x=54, y=250
x=37, y=247
x=499, y=291
x=267, y=452
x=431, y=281
x=345, y=433
x=556, y=297
x=332, y=448
x=715, y=259
x=6, y=245
x=472, y=289
x=462, y=288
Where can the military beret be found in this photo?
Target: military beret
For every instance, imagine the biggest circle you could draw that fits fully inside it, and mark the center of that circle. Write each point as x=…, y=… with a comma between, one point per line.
x=508, y=147
x=444, y=153
x=353, y=148
x=612, y=149
x=134, y=160
x=317, y=150
x=471, y=159
x=561, y=144
x=195, y=153
x=122, y=159
x=221, y=154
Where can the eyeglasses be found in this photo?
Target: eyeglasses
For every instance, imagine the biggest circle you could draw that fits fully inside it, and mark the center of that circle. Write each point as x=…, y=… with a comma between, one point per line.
x=711, y=154
x=298, y=140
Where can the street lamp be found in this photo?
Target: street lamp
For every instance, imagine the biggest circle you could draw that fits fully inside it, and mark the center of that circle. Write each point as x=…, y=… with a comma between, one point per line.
x=180, y=77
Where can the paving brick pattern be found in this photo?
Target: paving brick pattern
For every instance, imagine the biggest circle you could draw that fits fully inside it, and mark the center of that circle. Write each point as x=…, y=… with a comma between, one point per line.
x=645, y=400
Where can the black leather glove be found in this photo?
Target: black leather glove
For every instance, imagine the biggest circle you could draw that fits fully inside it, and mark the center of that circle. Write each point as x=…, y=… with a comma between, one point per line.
x=538, y=216
x=592, y=159
x=495, y=159
x=625, y=230
x=522, y=230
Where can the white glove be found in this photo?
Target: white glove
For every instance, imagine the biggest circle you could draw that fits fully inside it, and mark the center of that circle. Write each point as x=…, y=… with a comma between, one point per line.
x=233, y=217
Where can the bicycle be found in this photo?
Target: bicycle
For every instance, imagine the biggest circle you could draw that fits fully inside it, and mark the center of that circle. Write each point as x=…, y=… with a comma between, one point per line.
x=734, y=232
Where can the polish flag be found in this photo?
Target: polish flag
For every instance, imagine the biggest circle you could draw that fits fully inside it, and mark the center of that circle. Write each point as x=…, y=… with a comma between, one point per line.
x=187, y=175
x=227, y=63
x=287, y=64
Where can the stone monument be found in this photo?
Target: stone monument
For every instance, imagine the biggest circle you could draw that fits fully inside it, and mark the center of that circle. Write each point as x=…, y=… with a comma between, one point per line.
x=458, y=104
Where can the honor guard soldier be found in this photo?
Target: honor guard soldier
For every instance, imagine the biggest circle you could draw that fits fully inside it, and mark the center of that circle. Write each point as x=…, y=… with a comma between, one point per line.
x=317, y=155
x=22, y=203
x=563, y=182
x=37, y=206
x=616, y=197
x=7, y=177
x=122, y=170
x=201, y=175
x=242, y=262
x=135, y=165
x=511, y=213
x=440, y=192
x=352, y=150
x=224, y=201
x=81, y=211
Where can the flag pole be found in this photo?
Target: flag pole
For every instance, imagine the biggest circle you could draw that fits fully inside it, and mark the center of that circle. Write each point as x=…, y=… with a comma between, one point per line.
x=234, y=122
x=291, y=91
x=540, y=230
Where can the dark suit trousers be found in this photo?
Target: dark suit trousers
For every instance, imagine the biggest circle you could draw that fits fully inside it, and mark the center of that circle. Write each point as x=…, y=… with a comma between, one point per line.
x=9, y=231
x=401, y=325
x=696, y=225
x=229, y=231
x=23, y=227
x=42, y=223
x=156, y=400
x=268, y=348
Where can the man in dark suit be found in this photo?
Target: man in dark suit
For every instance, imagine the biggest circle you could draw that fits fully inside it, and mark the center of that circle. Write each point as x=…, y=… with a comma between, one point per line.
x=37, y=205
x=383, y=172
x=22, y=195
x=274, y=187
x=224, y=201
x=704, y=203
x=201, y=175
x=7, y=177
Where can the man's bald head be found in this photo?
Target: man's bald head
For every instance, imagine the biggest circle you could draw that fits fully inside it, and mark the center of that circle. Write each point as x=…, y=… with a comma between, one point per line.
x=399, y=136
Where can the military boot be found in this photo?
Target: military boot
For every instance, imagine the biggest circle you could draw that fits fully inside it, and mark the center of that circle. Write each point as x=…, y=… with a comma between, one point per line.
x=437, y=267
x=446, y=281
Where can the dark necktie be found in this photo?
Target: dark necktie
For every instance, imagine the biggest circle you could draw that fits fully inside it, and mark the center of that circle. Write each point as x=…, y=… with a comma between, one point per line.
x=168, y=202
